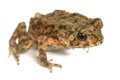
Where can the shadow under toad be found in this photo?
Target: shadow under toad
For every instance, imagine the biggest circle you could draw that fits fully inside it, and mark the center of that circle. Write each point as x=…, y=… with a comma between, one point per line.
x=33, y=53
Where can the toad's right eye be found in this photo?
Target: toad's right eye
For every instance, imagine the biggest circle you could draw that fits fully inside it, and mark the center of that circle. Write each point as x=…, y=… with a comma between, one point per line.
x=81, y=37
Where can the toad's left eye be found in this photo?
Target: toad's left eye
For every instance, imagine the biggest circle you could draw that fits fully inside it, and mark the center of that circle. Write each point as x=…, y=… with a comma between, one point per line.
x=82, y=37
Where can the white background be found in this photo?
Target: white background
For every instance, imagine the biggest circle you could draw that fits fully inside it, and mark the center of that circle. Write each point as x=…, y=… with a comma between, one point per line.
x=101, y=63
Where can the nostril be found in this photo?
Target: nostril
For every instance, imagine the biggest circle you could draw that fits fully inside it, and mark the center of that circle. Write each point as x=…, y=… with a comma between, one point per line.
x=101, y=42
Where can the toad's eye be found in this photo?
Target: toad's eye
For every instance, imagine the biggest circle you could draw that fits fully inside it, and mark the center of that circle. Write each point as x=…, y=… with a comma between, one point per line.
x=82, y=37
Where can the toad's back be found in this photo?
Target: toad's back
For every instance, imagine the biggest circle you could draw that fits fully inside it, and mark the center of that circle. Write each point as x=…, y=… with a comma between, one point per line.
x=57, y=24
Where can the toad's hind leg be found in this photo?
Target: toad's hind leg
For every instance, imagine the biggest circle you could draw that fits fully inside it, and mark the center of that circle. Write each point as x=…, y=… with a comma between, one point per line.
x=43, y=41
x=24, y=41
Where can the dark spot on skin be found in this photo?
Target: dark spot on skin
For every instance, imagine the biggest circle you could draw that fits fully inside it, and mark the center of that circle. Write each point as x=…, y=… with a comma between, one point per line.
x=101, y=42
x=30, y=38
x=39, y=22
x=49, y=28
x=63, y=17
x=43, y=59
x=62, y=27
x=33, y=28
x=26, y=43
x=74, y=14
x=40, y=50
x=21, y=41
x=40, y=43
x=21, y=34
x=23, y=27
x=75, y=20
x=42, y=56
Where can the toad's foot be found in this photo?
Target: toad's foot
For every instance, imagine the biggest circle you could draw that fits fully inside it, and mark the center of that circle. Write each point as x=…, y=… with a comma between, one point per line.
x=48, y=64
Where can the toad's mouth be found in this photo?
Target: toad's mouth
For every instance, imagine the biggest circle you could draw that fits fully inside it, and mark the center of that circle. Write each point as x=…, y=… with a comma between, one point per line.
x=89, y=43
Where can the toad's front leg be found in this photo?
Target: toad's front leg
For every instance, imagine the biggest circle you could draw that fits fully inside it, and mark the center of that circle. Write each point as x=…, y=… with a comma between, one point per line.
x=43, y=42
x=24, y=41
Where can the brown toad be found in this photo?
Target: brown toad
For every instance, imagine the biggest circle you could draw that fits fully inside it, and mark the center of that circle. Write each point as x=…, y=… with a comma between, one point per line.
x=57, y=30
